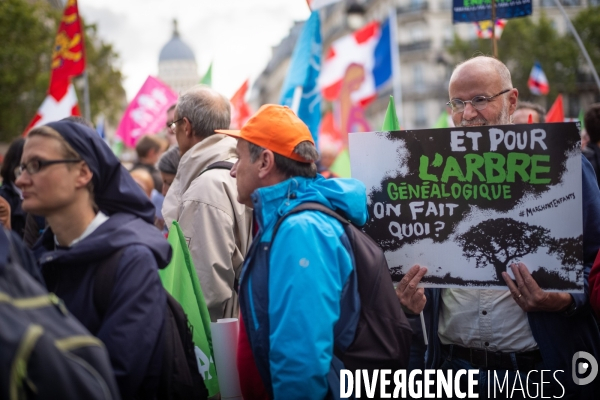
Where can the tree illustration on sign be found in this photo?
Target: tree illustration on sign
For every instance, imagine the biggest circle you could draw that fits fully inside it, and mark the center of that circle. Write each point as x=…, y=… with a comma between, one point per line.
x=570, y=253
x=500, y=241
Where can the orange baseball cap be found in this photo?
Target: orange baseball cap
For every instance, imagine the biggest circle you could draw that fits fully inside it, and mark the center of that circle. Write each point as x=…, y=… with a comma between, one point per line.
x=275, y=128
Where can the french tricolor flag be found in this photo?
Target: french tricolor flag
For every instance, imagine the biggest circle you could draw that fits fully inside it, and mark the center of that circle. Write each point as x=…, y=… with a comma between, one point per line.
x=538, y=83
x=368, y=47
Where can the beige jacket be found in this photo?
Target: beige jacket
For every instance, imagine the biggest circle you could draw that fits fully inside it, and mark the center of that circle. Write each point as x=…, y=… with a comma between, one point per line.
x=217, y=228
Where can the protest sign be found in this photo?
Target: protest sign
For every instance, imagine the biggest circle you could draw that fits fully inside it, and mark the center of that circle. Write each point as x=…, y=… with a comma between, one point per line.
x=481, y=10
x=468, y=201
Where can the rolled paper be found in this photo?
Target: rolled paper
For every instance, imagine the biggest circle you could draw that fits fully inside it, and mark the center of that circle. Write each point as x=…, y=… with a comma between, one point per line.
x=225, y=341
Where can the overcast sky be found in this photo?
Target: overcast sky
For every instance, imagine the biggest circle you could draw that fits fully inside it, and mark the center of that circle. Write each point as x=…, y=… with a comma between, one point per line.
x=237, y=35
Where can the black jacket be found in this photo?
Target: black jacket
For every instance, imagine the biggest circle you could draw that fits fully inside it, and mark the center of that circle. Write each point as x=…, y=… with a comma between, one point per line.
x=17, y=215
x=592, y=153
x=132, y=328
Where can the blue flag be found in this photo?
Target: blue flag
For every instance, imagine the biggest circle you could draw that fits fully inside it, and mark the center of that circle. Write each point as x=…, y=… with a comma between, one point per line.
x=303, y=72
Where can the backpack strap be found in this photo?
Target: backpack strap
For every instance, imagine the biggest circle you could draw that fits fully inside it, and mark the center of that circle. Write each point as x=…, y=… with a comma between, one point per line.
x=218, y=165
x=104, y=281
x=309, y=206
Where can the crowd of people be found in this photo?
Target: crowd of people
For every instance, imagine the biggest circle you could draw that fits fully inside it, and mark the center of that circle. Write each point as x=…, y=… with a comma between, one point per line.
x=77, y=207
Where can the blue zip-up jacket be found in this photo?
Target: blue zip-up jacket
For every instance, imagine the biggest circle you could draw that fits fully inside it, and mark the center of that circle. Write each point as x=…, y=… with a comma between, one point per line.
x=132, y=328
x=298, y=292
x=558, y=335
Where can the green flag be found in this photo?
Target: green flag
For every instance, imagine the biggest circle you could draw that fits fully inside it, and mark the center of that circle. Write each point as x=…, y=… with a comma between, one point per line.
x=581, y=117
x=180, y=280
x=207, y=78
x=442, y=121
x=117, y=148
x=390, y=121
x=341, y=165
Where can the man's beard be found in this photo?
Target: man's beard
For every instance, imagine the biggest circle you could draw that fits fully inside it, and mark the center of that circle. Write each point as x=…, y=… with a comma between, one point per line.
x=503, y=119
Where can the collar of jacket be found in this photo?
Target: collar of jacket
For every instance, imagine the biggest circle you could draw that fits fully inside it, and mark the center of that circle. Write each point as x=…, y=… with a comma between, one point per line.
x=345, y=195
x=217, y=147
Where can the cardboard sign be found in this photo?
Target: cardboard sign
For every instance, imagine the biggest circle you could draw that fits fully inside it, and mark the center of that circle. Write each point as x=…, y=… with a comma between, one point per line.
x=466, y=202
x=481, y=10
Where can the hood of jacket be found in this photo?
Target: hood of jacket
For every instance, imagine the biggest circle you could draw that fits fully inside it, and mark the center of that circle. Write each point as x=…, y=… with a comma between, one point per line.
x=120, y=230
x=345, y=196
x=217, y=147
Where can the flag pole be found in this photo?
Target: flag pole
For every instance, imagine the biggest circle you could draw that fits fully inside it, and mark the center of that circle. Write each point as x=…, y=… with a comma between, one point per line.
x=579, y=42
x=494, y=43
x=396, y=82
x=86, y=97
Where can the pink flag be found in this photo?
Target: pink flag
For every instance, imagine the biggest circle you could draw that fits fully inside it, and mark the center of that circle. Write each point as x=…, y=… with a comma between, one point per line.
x=147, y=113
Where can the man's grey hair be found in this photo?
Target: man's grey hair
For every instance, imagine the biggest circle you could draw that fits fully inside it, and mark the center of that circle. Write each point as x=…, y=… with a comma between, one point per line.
x=289, y=167
x=501, y=69
x=533, y=106
x=206, y=109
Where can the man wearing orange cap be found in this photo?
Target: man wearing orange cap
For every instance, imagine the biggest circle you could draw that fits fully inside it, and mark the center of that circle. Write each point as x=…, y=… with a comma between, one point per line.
x=297, y=289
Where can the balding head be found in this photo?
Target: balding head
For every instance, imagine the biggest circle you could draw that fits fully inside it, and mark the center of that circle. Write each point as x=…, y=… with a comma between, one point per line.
x=205, y=108
x=490, y=66
x=483, y=76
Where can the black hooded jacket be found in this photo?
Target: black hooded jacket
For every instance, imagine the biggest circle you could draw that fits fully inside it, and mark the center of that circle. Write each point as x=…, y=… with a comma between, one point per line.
x=132, y=328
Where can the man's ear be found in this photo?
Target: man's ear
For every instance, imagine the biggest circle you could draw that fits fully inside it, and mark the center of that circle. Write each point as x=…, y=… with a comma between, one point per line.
x=84, y=176
x=187, y=126
x=513, y=97
x=266, y=163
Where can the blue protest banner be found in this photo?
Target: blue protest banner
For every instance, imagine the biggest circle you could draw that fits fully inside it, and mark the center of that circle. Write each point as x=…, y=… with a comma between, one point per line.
x=481, y=10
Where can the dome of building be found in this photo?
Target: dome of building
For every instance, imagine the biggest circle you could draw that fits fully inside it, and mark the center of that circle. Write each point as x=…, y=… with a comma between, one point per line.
x=176, y=49
x=177, y=64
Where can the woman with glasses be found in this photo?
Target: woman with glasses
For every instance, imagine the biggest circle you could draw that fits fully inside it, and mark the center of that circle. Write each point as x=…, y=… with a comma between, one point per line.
x=96, y=214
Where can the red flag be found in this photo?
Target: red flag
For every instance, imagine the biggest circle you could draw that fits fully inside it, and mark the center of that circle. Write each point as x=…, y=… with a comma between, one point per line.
x=68, y=55
x=240, y=110
x=68, y=60
x=556, y=112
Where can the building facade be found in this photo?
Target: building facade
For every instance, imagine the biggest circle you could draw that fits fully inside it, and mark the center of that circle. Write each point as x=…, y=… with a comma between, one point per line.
x=424, y=32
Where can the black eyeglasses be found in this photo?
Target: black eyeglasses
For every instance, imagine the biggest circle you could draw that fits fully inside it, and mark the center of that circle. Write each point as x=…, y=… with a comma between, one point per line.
x=478, y=102
x=34, y=166
x=174, y=123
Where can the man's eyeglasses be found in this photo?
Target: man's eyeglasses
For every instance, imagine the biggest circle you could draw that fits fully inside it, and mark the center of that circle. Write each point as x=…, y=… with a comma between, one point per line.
x=34, y=166
x=174, y=123
x=478, y=102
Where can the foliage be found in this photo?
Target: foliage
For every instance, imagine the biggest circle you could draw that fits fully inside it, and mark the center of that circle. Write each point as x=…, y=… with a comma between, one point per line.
x=587, y=24
x=524, y=41
x=107, y=96
x=499, y=241
x=28, y=30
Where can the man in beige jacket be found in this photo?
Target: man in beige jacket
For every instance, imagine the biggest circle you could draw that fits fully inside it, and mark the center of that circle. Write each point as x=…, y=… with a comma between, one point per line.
x=203, y=200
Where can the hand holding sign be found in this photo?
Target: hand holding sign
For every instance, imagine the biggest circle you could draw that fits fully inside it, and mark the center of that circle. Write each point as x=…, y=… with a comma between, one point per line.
x=529, y=296
x=411, y=297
